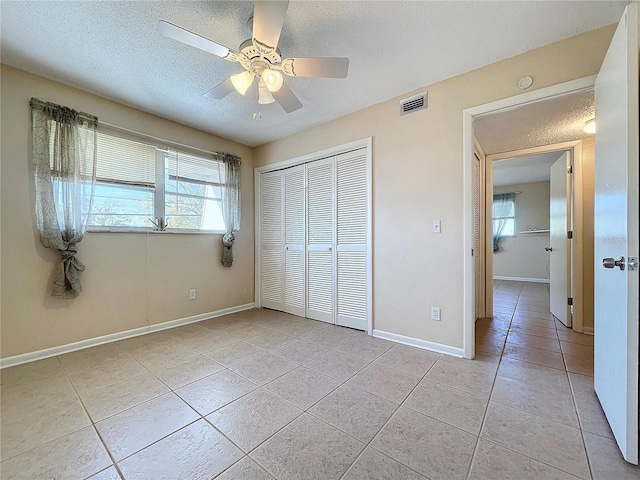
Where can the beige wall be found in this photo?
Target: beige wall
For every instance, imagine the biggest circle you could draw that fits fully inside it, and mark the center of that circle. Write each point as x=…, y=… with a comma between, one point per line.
x=417, y=177
x=131, y=280
x=523, y=256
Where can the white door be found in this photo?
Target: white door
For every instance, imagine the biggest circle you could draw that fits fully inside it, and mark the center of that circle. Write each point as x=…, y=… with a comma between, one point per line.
x=559, y=278
x=351, y=241
x=616, y=235
x=294, y=235
x=271, y=240
x=320, y=240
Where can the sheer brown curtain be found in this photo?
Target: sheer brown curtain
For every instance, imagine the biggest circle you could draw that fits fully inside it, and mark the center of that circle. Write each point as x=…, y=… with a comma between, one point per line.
x=64, y=162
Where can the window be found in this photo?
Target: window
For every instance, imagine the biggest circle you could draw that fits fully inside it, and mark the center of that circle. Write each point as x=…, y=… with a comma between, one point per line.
x=125, y=191
x=504, y=215
x=193, y=192
x=137, y=183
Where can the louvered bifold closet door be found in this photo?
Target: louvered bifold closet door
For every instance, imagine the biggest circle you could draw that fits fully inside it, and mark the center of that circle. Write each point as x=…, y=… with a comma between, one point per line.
x=477, y=271
x=271, y=240
x=352, y=233
x=320, y=240
x=294, y=232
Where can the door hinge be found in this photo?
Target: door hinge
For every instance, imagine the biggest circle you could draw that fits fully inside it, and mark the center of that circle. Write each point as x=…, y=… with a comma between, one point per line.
x=570, y=234
x=570, y=301
x=472, y=252
x=570, y=169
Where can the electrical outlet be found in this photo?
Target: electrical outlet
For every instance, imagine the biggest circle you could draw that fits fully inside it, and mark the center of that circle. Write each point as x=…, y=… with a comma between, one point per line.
x=435, y=313
x=435, y=226
x=192, y=294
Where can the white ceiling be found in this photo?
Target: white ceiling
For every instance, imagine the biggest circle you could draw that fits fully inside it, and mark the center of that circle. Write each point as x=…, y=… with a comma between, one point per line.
x=556, y=120
x=113, y=49
x=526, y=169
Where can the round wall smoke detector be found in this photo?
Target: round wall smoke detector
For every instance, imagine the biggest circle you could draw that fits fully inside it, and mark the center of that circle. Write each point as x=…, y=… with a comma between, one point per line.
x=524, y=83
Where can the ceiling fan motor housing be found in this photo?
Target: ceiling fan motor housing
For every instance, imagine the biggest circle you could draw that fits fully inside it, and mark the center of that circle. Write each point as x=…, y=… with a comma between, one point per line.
x=256, y=60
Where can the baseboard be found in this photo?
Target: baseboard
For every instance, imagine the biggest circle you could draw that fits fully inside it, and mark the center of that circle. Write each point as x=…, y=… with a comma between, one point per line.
x=588, y=330
x=416, y=342
x=523, y=279
x=114, y=337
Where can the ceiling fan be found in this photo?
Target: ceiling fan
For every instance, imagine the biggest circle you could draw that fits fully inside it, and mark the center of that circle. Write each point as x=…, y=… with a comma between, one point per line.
x=261, y=58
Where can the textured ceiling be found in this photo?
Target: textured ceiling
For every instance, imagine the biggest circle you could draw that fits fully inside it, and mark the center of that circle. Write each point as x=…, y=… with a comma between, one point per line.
x=556, y=120
x=113, y=49
x=526, y=169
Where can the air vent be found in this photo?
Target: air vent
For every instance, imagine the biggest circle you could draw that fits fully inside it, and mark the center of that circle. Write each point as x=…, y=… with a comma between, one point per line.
x=413, y=104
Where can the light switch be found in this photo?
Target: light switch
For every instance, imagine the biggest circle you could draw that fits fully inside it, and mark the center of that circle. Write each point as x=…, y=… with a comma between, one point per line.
x=435, y=226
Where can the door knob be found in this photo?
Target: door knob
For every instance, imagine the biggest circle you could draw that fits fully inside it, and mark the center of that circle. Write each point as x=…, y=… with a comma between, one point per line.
x=612, y=263
x=548, y=249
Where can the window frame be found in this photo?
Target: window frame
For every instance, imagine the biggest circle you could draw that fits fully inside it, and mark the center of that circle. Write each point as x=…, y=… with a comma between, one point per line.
x=159, y=203
x=508, y=218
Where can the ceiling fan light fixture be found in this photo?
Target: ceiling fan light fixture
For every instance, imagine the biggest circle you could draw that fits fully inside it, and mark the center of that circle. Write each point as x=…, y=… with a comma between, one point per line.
x=264, y=95
x=242, y=81
x=272, y=79
x=590, y=126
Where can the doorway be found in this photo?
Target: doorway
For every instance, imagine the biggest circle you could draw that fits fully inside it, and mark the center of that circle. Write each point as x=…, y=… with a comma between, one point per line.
x=540, y=236
x=616, y=237
x=574, y=91
x=530, y=258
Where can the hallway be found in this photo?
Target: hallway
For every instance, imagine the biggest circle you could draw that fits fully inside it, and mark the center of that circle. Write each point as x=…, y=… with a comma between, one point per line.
x=546, y=371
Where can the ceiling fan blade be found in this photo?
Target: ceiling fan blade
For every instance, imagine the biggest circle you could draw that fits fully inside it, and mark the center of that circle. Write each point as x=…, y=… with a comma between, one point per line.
x=287, y=99
x=268, y=17
x=329, y=67
x=221, y=90
x=185, y=36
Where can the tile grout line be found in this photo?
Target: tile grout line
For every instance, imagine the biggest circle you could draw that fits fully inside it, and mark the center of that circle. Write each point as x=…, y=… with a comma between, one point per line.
x=92, y=423
x=307, y=412
x=556, y=421
x=303, y=411
x=343, y=382
x=484, y=417
x=584, y=443
x=334, y=348
x=385, y=424
x=95, y=429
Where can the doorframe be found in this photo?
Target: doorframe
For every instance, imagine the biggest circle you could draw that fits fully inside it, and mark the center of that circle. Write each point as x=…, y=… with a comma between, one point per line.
x=574, y=213
x=468, y=115
x=302, y=159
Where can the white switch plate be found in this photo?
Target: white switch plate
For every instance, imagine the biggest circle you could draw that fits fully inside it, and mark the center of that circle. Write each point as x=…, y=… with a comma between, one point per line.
x=435, y=313
x=435, y=226
x=192, y=294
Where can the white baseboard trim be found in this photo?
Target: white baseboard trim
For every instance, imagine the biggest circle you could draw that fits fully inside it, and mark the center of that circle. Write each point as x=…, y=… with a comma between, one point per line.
x=114, y=337
x=523, y=279
x=416, y=342
x=588, y=331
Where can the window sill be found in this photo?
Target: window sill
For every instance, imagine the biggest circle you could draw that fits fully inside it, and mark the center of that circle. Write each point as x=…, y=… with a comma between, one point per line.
x=149, y=230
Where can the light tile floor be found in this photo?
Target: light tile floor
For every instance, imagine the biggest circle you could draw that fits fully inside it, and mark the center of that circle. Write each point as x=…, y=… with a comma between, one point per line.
x=264, y=395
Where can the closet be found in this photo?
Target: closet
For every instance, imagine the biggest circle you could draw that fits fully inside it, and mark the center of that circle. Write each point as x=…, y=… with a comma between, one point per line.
x=314, y=239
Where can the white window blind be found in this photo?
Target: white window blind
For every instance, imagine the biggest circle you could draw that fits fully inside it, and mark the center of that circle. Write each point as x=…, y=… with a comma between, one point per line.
x=125, y=161
x=139, y=181
x=193, y=192
x=125, y=183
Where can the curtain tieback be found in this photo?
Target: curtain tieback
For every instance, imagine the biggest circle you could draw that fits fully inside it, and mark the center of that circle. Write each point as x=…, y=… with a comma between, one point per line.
x=68, y=256
x=227, y=254
x=66, y=281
